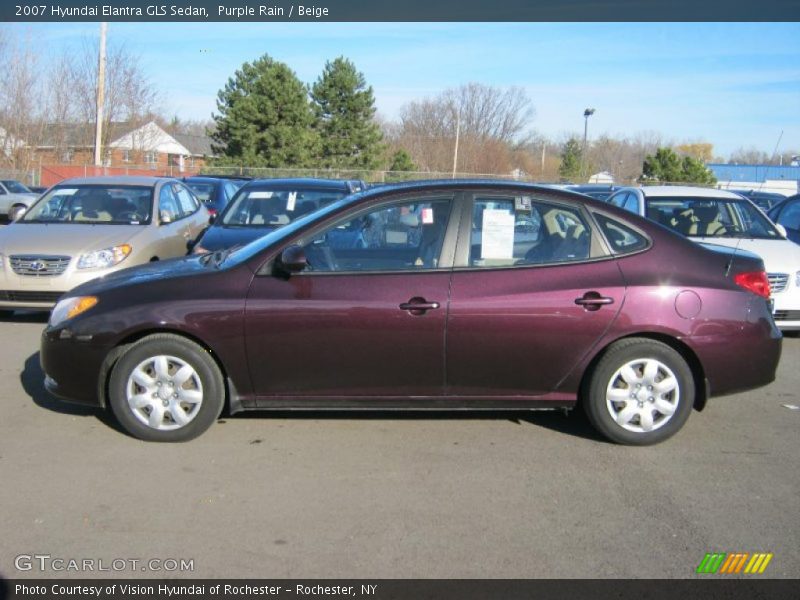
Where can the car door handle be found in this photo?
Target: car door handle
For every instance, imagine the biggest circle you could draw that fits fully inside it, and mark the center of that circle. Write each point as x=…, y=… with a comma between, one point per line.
x=593, y=301
x=418, y=306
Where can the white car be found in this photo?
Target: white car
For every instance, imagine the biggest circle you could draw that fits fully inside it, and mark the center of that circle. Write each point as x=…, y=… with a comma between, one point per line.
x=13, y=194
x=724, y=218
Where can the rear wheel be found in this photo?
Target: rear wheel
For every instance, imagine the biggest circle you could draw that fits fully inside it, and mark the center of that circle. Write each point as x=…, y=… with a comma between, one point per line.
x=166, y=388
x=640, y=393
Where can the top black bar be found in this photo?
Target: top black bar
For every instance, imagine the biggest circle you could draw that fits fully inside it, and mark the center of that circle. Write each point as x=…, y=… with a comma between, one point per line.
x=401, y=10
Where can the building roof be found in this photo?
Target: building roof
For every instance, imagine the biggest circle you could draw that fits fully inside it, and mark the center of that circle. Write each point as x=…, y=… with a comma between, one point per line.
x=753, y=173
x=197, y=145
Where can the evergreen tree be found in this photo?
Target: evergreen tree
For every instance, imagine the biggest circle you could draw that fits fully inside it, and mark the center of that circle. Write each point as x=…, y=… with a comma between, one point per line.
x=401, y=161
x=666, y=166
x=345, y=108
x=571, y=160
x=265, y=119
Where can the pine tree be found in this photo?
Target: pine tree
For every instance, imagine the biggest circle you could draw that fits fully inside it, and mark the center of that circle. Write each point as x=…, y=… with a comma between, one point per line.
x=265, y=118
x=570, y=160
x=345, y=108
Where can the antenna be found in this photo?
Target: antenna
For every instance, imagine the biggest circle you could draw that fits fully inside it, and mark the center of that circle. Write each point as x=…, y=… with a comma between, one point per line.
x=774, y=152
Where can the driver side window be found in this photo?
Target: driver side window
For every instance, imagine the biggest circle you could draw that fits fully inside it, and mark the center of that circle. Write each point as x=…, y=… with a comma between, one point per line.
x=403, y=236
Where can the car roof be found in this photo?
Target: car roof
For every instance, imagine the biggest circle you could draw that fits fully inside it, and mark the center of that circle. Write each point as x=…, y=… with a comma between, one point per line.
x=343, y=184
x=116, y=180
x=675, y=191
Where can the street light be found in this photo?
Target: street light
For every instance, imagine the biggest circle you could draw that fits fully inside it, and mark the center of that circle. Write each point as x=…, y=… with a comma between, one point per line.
x=586, y=114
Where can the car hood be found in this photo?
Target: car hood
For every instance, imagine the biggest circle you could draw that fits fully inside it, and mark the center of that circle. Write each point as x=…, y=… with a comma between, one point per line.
x=63, y=238
x=27, y=195
x=142, y=274
x=779, y=256
x=219, y=237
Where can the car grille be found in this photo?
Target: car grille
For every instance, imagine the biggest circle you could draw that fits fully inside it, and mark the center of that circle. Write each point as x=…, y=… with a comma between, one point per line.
x=778, y=281
x=39, y=266
x=17, y=296
x=787, y=315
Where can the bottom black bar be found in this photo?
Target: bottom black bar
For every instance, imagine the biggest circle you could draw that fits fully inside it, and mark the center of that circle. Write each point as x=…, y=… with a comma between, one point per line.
x=733, y=588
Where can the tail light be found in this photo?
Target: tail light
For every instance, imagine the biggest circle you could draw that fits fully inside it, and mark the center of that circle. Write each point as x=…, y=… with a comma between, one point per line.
x=212, y=211
x=754, y=281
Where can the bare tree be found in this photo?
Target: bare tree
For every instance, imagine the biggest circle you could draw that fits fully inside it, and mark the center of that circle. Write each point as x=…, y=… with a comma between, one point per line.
x=488, y=120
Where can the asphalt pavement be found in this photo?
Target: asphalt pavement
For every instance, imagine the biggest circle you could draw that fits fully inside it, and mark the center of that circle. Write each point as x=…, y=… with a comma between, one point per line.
x=525, y=495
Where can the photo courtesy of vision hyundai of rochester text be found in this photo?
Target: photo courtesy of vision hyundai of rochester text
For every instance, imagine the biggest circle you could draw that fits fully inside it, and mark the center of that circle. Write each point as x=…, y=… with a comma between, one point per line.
x=431, y=295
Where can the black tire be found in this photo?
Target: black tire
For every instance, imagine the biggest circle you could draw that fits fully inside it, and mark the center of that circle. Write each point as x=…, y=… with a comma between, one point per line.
x=599, y=409
x=193, y=355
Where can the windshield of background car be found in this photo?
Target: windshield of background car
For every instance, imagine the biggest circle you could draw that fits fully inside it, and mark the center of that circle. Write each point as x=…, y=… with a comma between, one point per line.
x=711, y=217
x=263, y=207
x=203, y=191
x=93, y=205
x=15, y=187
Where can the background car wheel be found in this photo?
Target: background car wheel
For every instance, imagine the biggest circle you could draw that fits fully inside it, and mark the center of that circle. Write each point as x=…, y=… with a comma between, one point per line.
x=166, y=388
x=641, y=392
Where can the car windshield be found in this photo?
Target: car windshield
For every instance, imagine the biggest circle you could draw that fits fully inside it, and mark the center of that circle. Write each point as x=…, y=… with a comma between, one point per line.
x=264, y=207
x=15, y=187
x=711, y=217
x=93, y=205
x=203, y=191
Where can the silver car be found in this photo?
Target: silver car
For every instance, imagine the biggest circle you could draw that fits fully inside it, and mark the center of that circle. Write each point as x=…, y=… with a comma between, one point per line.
x=85, y=228
x=14, y=195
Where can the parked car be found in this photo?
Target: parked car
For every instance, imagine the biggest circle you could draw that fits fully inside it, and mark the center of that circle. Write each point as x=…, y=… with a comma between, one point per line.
x=87, y=228
x=764, y=200
x=602, y=308
x=725, y=218
x=214, y=192
x=264, y=205
x=787, y=213
x=596, y=191
x=14, y=195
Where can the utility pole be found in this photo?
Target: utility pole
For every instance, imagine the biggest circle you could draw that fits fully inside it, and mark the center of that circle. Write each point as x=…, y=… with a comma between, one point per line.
x=101, y=92
x=455, y=150
x=586, y=114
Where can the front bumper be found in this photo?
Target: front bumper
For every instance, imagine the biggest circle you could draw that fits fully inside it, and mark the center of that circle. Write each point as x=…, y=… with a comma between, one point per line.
x=786, y=308
x=73, y=366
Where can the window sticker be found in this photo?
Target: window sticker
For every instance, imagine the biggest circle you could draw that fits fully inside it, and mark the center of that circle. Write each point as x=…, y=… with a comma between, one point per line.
x=261, y=194
x=522, y=204
x=291, y=201
x=427, y=216
x=396, y=237
x=497, y=240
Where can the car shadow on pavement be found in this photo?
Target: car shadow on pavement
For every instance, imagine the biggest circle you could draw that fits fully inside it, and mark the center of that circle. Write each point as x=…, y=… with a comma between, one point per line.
x=574, y=423
x=32, y=380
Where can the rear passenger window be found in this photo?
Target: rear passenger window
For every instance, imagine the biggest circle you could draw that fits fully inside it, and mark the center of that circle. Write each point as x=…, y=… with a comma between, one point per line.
x=522, y=231
x=623, y=239
x=188, y=204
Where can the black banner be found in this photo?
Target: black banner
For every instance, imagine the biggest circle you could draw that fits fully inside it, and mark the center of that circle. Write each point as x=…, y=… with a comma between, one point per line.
x=396, y=589
x=405, y=10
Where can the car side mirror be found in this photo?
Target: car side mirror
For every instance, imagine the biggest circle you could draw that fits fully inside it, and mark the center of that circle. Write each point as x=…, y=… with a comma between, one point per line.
x=16, y=213
x=165, y=217
x=292, y=260
x=781, y=229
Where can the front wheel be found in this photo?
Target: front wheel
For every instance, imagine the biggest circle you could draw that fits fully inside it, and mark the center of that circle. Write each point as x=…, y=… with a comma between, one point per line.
x=641, y=392
x=166, y=388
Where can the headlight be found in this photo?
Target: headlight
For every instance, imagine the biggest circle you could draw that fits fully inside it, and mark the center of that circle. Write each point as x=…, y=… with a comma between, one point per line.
x=71, y=307
x=796, y=278
x=102, y=259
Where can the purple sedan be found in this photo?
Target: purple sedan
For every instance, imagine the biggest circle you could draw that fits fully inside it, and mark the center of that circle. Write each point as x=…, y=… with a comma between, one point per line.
x=445, y=295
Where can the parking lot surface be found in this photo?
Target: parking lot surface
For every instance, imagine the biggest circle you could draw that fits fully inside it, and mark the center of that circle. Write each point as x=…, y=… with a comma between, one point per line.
x=382, y=495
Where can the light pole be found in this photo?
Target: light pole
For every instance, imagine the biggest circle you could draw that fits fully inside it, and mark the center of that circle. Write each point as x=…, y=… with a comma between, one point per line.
x=586, y=114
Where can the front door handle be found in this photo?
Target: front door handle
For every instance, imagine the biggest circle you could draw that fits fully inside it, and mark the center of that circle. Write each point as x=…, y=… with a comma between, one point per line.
x=418, y=306
x=593, y=301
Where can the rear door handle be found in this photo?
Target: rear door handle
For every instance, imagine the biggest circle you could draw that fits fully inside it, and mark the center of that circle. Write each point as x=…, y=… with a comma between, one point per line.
x=418, y=306
x=593, y=301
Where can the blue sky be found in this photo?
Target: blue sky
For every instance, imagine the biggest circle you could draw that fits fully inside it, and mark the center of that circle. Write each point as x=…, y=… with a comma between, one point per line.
x=730, y=84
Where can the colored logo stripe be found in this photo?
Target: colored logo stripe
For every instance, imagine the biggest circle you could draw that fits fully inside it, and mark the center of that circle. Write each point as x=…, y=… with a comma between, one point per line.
x=732, y=563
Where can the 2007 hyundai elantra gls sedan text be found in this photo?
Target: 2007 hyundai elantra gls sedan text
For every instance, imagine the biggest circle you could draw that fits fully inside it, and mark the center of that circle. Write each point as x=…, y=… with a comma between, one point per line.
x=444, y=295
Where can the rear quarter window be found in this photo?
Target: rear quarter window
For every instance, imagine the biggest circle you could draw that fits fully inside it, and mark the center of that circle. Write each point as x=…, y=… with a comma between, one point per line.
x=622, y=238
